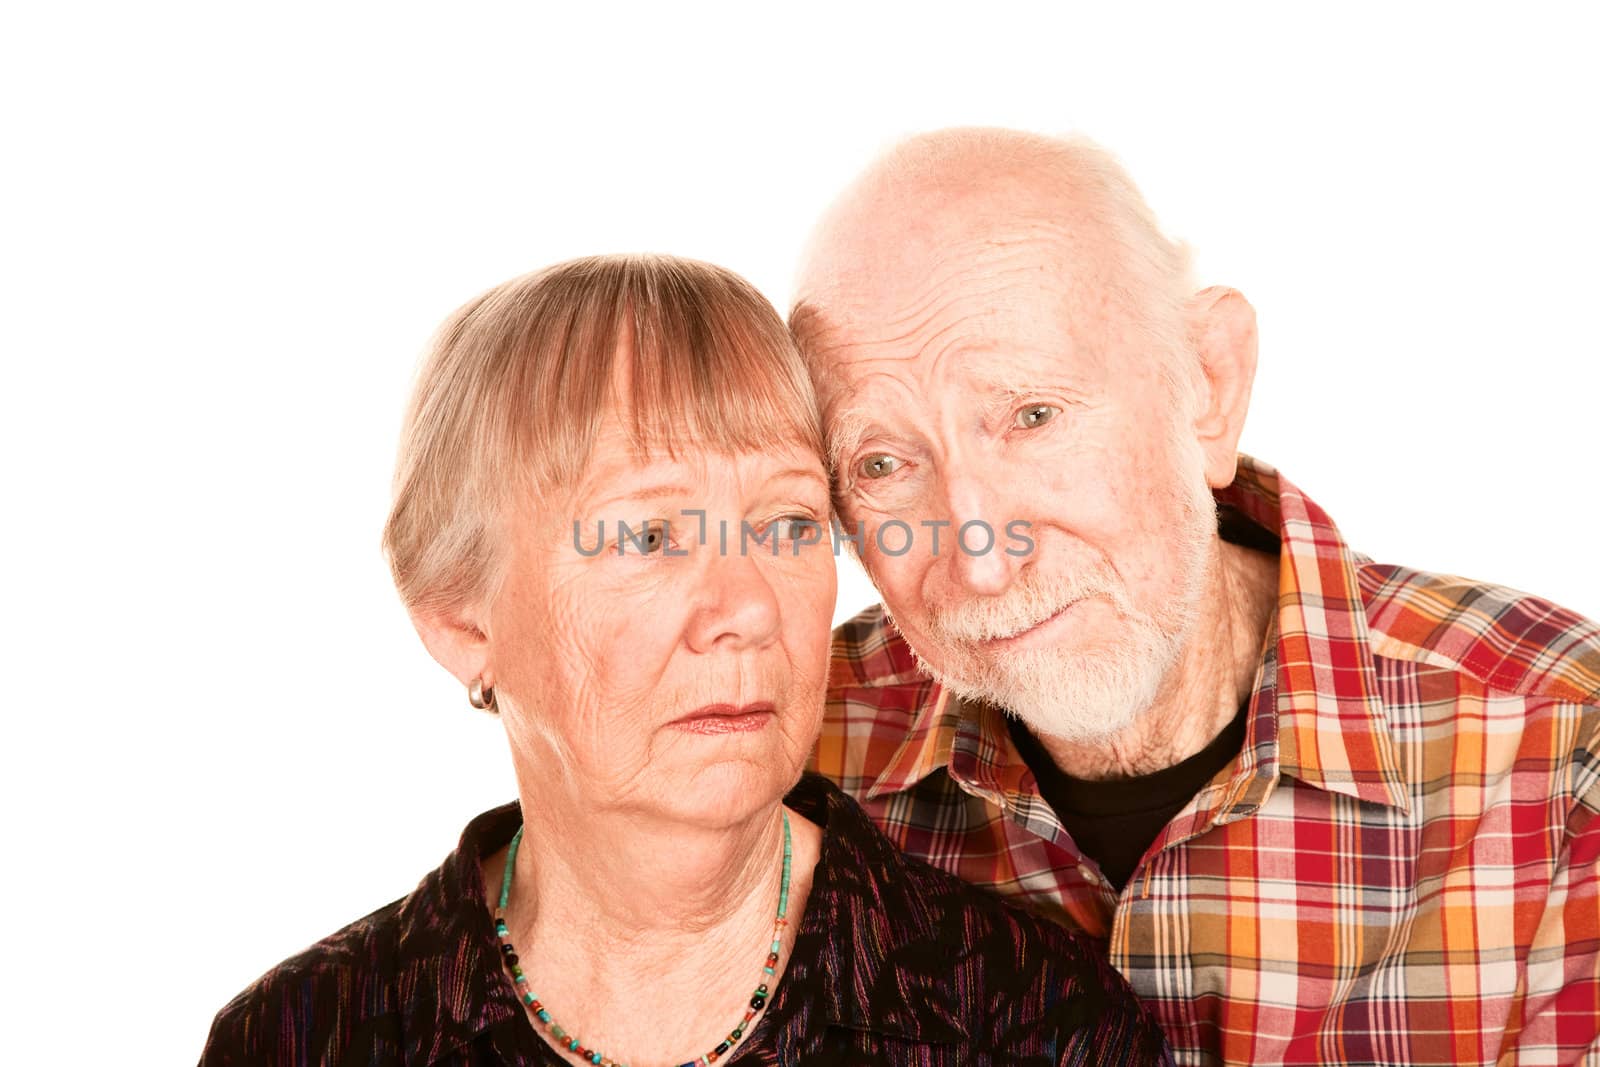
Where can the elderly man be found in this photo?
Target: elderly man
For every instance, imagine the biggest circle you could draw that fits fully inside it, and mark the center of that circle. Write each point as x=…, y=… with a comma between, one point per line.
x=1321, y=810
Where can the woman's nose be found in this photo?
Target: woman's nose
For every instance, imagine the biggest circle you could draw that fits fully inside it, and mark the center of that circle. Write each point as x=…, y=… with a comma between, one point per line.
x=736, y=607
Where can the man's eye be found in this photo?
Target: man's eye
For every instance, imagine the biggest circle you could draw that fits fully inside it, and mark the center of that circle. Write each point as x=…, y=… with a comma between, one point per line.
x=1035, y=415
x=879, y=466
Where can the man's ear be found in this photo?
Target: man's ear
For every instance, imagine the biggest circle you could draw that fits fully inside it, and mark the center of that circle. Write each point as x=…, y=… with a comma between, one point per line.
x=457, y=641
x=1222, y=329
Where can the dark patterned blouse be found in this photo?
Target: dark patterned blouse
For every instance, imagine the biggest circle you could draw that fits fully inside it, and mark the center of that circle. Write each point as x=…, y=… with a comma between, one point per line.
x=894, y=962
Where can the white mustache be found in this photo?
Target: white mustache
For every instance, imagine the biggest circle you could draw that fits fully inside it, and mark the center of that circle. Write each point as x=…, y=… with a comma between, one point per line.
x=1021, y=609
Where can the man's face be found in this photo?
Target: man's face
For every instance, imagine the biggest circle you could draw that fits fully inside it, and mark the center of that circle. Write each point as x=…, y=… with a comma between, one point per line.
x=995, y=387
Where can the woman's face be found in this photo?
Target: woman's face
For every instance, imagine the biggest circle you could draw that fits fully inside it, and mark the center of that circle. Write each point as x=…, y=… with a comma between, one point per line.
x=678, y=672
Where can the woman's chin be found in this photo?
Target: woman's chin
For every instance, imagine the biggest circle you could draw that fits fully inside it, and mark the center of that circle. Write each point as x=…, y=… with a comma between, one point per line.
x=728, y=791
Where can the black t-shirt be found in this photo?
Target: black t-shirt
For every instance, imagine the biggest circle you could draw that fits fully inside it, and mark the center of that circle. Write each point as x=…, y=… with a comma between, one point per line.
x=1113, y=822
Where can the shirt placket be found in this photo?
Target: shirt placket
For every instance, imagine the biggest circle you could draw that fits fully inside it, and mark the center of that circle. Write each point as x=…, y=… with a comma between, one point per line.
x=1079, y=889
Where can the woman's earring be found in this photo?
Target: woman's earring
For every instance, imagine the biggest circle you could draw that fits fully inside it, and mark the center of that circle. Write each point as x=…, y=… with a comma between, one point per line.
x=479, y=697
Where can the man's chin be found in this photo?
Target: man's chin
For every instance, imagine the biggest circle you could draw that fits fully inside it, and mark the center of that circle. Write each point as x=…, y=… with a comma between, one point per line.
x=1083, y=700
x=1079, y=723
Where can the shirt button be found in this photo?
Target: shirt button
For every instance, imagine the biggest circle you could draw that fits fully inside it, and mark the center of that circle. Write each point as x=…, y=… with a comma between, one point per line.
x=1087, y=872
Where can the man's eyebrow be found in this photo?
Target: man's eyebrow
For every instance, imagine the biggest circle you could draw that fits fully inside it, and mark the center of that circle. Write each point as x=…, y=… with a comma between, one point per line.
x=1000, y=394
x=846, y=430
x=1000, y=391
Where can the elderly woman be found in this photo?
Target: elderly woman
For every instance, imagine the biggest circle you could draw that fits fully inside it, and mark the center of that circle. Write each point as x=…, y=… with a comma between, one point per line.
x=606, y=527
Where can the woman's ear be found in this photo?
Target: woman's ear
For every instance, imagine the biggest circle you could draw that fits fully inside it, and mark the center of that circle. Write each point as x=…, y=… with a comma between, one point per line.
x=457, y=642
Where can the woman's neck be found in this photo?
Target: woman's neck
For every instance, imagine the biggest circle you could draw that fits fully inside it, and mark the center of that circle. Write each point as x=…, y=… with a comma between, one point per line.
x=649, y=946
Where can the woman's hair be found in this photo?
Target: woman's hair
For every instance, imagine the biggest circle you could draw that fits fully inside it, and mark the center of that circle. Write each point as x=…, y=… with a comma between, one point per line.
x=520, y=380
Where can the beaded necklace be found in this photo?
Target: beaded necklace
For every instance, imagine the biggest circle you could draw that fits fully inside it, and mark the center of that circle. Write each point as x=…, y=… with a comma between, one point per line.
x=565, y=1039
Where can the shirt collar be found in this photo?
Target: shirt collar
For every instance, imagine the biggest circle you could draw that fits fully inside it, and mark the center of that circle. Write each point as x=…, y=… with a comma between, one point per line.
x=448, y=954
x=861, y=907
x=1316, y=714
x=884, y=963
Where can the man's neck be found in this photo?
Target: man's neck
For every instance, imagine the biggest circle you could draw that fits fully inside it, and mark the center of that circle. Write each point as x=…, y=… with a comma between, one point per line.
x=1214, y=674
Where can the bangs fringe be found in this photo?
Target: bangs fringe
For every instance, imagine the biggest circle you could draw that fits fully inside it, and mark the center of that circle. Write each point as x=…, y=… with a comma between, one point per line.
x=708, y=366
x=520, y=381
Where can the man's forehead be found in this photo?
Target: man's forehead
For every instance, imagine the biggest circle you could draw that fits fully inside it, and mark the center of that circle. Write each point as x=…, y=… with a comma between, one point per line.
x=889, y=224
x=1005, y=289
x=996, y=290
x=887, y=266
x=1012, y=328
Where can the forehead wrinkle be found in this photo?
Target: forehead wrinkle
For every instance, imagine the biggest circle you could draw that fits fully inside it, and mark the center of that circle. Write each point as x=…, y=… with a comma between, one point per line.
x=951, y=341
x=935, y=333
x=922, y=259
x=857, y=324
x=842, y=333
x=962, y=301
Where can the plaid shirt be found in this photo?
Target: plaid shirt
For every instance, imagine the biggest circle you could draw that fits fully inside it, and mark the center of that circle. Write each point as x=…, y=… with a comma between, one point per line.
x=1402, y=866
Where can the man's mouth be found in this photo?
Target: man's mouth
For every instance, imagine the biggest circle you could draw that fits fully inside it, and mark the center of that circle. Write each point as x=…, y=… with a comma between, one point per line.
x=1020, y=636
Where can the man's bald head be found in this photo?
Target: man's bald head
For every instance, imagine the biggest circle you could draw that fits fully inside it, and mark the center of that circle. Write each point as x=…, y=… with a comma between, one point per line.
x=904, y=220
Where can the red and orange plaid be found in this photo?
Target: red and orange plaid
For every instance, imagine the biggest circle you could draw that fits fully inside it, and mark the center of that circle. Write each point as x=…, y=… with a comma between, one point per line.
x=1401, y=867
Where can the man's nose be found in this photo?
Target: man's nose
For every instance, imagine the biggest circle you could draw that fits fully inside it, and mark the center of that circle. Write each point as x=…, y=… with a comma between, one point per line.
x=974, y=544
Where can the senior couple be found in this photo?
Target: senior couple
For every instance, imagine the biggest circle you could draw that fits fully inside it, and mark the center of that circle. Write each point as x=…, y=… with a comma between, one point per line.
x=1189, y=770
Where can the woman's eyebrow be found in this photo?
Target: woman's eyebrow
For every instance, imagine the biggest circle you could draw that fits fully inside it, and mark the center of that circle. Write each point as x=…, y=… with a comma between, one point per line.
x=809, y=474
x=645, y=494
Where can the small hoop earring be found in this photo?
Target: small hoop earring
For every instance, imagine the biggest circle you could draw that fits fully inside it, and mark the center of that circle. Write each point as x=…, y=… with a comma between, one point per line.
x=480, y=697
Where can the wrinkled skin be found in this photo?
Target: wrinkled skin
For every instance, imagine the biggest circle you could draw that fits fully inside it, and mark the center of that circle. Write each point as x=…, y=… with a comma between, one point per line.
x=599, y=655
x=980, y=356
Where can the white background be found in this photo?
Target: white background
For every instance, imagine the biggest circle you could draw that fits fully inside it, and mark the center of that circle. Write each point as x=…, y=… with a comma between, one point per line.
x=229, y=231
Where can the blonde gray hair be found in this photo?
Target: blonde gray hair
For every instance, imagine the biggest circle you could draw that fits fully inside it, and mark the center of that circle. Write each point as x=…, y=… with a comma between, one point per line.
x=519, y=382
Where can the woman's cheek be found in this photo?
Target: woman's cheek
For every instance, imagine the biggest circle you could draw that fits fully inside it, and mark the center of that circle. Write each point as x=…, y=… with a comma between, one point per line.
x=809, y=604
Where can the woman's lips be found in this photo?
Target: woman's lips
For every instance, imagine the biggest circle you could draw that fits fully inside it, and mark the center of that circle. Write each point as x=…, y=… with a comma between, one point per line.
x=726, y=718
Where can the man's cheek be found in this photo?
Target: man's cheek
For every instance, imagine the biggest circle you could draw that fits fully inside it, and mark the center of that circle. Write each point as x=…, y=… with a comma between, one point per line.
x=895, y=580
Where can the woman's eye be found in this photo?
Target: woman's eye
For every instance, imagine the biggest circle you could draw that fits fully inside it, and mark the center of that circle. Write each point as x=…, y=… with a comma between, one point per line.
x=1035, y=415
x=647, y=539
x=880, y=465
x=801, y=529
